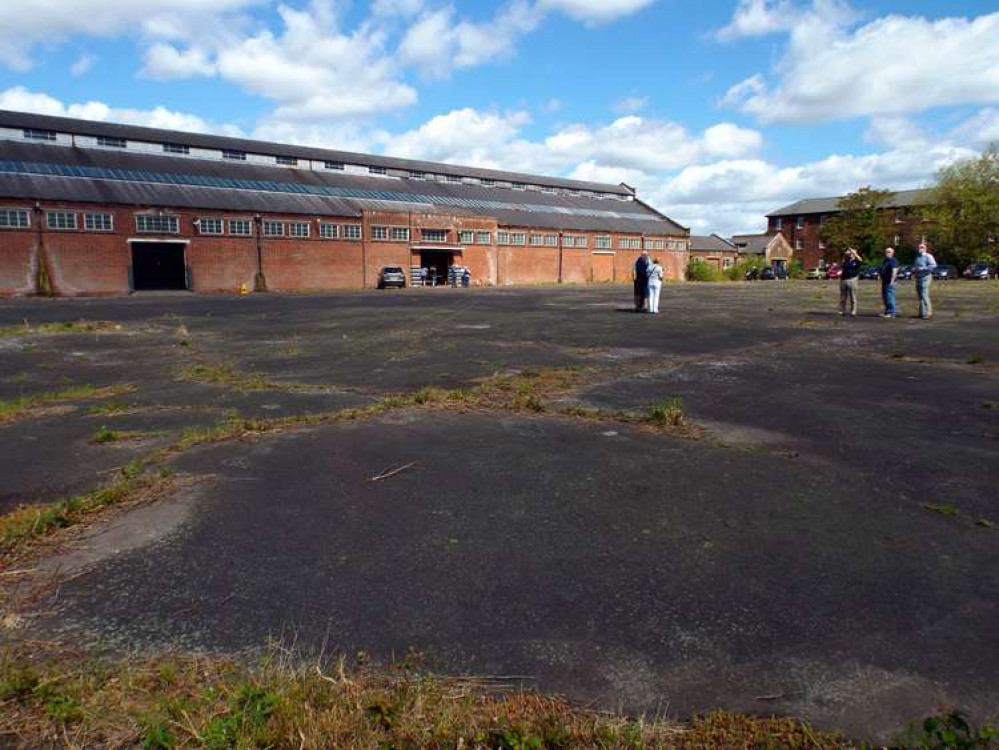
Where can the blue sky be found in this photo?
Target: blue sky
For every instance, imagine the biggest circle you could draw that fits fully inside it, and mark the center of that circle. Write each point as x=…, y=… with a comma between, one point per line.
x=716, y=111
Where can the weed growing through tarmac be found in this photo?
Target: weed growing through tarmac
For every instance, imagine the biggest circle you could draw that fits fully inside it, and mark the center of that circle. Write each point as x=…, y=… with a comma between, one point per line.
x=280, y=701
x=75, y=326
x=952, y=731
x=943, y=509
x=976, y=360
x=111, y=409
x=668, y=413
x=24, y=406
x=223, y=374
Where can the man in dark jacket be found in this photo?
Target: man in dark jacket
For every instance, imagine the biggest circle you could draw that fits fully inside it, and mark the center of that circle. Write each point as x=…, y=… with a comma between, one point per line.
x=889, y=274
x=848, y=283
x=640, y=274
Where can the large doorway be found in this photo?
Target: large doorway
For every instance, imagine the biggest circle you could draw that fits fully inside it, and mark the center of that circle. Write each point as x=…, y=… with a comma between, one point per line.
x=158, y=265
x=437, y=262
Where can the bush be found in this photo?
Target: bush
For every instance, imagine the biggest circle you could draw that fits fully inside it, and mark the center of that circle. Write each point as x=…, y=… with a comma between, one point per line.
x=738, y=271
x=698, y=270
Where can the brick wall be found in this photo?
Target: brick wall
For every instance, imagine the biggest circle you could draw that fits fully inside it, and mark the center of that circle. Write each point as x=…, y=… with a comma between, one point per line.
x=81, y=262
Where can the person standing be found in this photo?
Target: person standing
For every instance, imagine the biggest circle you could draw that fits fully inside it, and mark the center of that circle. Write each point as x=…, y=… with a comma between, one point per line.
x=640, y=274
x=655, y=285
x=848, y=283
x=889, y=274
x=922, y=269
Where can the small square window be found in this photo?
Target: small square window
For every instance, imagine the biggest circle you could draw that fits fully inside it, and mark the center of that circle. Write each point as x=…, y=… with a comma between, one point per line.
x=240, y=227
x=287, y=161
x=299, y=229
x=379, y=233
x=233, y=155
x=274, y=228
x=502, y=238
x=518, y=238
x=329, y=231
x=60, y=220
x=376, y=170
x=98, y=222
x=800, y=223
x=400, y=234
x=336, y=165
x=209, y=225
x=14, y=218
x=175, y=148
x=157, y=223
x=433, y=235
x=484, y=238
x=35, y=134
x=352, y=231
x=109, y=142
x=466, y=237
x=602, y=243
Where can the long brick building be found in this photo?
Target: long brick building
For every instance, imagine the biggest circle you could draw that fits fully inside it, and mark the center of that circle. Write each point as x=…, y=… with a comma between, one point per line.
x=100, y=208
x=801, y=222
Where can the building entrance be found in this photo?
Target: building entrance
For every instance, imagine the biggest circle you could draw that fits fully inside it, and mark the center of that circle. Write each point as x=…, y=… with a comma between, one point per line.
x=158, y=265
x=437, y=263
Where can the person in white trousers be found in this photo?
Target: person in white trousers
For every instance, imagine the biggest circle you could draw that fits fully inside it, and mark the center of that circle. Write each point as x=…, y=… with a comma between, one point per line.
x=655, y=285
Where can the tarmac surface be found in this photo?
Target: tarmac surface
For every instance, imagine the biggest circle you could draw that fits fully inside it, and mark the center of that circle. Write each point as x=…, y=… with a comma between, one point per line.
x=827, y=548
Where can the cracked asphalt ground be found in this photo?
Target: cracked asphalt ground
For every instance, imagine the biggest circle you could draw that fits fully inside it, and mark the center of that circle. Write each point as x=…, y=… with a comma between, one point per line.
x=825, y=546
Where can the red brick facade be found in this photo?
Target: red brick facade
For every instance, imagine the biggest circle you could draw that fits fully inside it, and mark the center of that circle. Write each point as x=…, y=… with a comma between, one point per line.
x=902, y=227
x=88, y=262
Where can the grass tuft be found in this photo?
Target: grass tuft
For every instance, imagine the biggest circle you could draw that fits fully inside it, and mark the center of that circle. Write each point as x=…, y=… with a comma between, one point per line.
x=19, y=408
x=283, y=703
x=668, y=413
x=73, y=326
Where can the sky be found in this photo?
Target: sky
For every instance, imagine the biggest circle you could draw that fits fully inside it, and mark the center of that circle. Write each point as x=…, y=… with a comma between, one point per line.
x=717, y=111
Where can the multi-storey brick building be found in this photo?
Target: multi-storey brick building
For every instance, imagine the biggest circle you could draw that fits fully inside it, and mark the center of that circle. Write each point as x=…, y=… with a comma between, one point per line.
x=99, y=208
x=801, y=222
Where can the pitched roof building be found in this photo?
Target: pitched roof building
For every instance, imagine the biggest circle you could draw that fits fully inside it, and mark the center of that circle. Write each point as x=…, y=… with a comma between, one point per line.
x=714, y=250
x=800, y=222
x=93, y=207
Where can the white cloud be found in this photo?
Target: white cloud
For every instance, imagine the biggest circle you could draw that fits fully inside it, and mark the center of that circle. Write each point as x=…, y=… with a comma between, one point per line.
x=313, y=70
x=595, y=11
x=631, y=104
x=164, y=61
x=21, y=99
x=51, y=21
x=891, y=66
x=437, y=44
x=981, y=130
x=82, y=65
x=757, y=18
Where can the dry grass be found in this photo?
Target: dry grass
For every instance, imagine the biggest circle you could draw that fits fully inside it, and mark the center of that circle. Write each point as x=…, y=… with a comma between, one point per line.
x=74, y=326
x=67, y=699
x=25, y=406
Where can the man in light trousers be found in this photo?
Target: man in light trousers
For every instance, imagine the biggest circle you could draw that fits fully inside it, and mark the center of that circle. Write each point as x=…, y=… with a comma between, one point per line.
x=922, y=269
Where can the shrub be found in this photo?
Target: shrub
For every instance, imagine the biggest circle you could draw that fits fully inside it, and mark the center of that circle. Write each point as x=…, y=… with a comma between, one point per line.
x=698, y=270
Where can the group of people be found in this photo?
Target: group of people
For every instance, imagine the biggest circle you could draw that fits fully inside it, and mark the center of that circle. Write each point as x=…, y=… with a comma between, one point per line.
x=648, y=276
x=922, y=270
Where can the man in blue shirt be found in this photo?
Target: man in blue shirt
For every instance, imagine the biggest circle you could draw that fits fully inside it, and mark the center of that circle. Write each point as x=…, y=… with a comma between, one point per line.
x=922, y=269
x=888, y=273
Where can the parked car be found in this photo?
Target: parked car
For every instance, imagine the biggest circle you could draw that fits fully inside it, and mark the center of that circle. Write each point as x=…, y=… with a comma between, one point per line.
x=391, y=276
x=870, y=273
x=816, y=273
x=767, y=273
x=944, y=272
x=904, y=272
x=979, y=271
x=834, y=271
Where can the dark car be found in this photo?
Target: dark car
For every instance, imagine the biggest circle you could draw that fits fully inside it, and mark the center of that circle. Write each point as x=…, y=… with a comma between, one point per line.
x=767, y=273
x=944, y=272
x=870, y=273
x=904, y=272
x=391, y=276
x=834, y=271
x=980, y=271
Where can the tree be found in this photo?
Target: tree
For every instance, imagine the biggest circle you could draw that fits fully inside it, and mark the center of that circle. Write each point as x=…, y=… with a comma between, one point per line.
x=859, y=224
x=964, y=208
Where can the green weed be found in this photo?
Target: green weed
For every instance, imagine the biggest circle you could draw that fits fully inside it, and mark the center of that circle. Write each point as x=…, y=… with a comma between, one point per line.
x=668, y=413
x=943, y=509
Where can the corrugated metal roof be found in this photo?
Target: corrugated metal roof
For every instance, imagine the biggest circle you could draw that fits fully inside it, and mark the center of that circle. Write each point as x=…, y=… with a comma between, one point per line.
x=11, y=119
x=900, y=199
x=76, y=174
x=710, y=243
x=752, y=244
